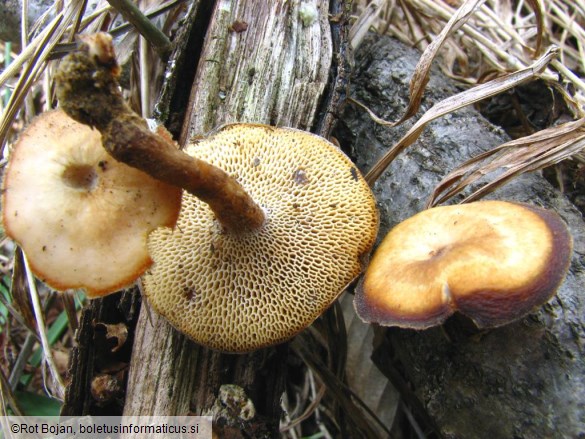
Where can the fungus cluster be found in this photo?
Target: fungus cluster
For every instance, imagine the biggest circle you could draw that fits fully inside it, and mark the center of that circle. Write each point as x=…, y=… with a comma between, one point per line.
x=492, y=261
x=275, y=222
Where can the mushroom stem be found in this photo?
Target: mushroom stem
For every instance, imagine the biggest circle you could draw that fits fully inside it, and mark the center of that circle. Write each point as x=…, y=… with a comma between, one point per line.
x=88, y=91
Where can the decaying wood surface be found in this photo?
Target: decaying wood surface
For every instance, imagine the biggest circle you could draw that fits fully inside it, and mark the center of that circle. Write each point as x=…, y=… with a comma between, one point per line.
x=265, y=62
x=522, y=380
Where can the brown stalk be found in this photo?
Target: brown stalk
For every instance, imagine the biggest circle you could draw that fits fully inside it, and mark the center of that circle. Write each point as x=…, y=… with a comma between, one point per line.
x=88, y=91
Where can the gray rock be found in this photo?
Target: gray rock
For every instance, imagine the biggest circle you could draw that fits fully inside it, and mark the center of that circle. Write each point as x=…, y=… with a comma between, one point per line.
x=523, y=380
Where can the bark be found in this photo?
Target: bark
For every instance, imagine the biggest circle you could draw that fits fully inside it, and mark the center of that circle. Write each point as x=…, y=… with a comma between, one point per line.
x=523, y=380
x=102, y=350
x=261, y=62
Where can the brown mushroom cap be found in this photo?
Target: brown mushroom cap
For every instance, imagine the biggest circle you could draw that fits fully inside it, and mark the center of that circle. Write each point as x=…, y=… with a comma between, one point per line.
x=493, y=261
x=81, y=217
x=239, y=292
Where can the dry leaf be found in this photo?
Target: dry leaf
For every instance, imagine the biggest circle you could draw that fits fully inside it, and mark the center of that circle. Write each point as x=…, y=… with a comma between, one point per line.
x=363, y=377
x=20, y=294
x=511, y=159
x=117, y=332
x=420, y=77
x=456, y=102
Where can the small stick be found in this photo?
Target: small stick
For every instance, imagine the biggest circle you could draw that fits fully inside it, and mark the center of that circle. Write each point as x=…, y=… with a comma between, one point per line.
x=143, y=25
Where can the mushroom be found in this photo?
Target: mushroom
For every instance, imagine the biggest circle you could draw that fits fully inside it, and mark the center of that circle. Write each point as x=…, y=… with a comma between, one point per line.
x=236, y=292
x=81, y=217
x=275, y=221
x=493, y=261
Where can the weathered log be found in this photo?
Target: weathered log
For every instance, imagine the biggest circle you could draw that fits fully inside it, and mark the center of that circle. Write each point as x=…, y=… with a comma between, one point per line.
x=265, y=62
x=101, y=352
x=523, y=380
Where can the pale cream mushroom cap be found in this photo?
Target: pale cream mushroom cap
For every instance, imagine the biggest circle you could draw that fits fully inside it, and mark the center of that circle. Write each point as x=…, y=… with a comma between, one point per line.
x=239, y=292
x=81, y=217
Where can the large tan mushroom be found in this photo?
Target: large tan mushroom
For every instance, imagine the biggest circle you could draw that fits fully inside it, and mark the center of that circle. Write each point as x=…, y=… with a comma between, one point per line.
x=493, y=261
x=240, y=291
x=81, y=217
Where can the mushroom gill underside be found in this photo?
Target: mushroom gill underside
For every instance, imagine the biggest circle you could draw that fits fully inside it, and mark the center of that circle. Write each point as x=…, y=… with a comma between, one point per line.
x=81, y=217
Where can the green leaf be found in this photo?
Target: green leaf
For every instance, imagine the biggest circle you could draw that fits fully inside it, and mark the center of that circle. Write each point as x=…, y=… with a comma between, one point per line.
x=33, y=404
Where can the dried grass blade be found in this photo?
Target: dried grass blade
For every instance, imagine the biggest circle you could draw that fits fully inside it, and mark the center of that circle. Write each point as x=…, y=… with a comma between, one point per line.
x=456, y=102
x=21, y=361
x=314, y=405
x=28, y=52
x=554, y=156
x=420, y=77
x=71, y=311
x=144, y=72
x=78, y=16
x=15, y=313
x=57, y=380
x=339, y=390
x=527, y=154
x=536, y=6
x=19, y=292
x=7, y=400
x=24, y=23
x=575, y=80
x=366, y=19
x=489, y=48
x=362, y=375
x=35, y=60
x=29, y=77
x=143, y=25
x=62, y=49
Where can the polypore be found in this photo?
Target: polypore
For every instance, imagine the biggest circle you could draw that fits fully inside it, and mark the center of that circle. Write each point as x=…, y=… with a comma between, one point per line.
x=240, y=291
x=81, y=217
x=275, y=222
x=492, y=261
